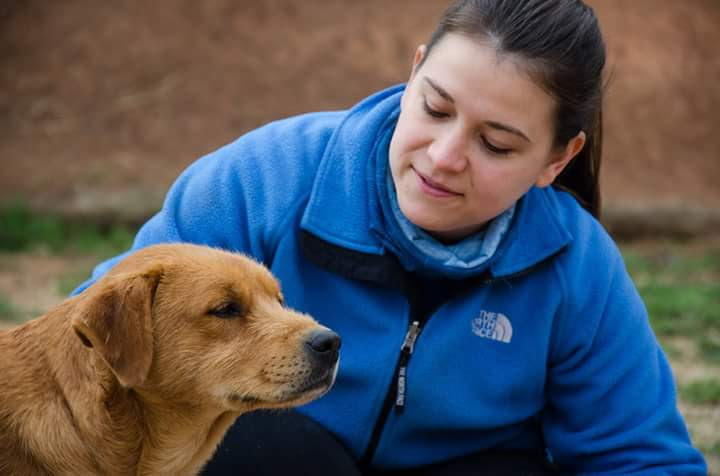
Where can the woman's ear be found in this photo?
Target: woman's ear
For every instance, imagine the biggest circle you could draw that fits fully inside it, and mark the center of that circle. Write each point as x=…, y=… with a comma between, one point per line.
x=560, y=159
x=417, y=59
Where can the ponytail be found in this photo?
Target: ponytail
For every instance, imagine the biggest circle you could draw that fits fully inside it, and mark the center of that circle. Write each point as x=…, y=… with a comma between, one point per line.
x=581, y=176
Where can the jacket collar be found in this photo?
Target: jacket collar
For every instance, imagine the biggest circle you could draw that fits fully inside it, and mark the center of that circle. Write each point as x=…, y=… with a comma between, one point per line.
x=343, y=200
x=536, y=234
x=343, y=205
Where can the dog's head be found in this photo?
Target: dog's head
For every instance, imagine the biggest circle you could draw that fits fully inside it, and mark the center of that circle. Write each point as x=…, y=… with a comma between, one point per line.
x=192, y=324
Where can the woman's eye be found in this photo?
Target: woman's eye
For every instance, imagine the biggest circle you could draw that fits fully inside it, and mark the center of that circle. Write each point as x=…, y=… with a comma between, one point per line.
x=432, y=112
x=495, y=150
x=227, y=311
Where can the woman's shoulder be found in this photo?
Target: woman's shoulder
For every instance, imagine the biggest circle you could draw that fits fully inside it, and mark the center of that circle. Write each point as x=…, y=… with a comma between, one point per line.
x=283, y=153
x=591, y=268
x=252, y=182
x=591, y=258
x=598, y=292
x=302, y=137
x=587, y=231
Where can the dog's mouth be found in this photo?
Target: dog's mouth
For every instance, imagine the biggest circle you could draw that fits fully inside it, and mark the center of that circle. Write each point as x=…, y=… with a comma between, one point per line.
x=292, y=394
x=243, y=399
x=319, y=383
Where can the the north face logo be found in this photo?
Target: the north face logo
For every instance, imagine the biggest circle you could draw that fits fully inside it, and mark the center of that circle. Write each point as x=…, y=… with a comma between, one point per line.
x=492, y=325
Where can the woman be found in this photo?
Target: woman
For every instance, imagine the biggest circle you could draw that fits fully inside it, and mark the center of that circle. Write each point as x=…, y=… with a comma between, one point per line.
x=447, y=231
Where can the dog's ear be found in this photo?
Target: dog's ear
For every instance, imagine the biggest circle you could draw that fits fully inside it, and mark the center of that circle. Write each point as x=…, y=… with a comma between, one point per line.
x=115, y=319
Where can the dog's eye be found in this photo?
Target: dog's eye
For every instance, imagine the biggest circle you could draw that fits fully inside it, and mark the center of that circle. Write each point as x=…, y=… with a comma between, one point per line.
x=227, y=310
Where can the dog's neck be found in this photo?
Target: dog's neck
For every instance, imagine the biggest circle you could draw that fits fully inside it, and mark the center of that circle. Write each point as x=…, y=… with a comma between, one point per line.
x=103, y=411
x=164, y=438
x=180, y=438
x=83, y=411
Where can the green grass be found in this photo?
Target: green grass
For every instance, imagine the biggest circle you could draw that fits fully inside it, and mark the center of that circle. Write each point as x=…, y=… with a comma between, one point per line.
x=682, y=309
x=681, y=289
x=713, y=449
x=710, y=349
x=8, y=312
x=23, y=230
x=671, y=349
x=703, y=392
x=671, y=262
x=68, y=283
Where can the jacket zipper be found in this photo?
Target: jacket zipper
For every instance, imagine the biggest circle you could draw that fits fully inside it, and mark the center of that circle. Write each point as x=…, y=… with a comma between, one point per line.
x=405, y=353
x=396, y=393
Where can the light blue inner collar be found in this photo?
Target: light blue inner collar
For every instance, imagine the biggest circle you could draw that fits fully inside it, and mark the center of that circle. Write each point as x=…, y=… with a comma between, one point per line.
x=468, y=253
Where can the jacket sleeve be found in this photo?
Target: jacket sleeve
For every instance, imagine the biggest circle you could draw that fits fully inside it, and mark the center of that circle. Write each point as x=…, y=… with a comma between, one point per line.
x=611, y=396
x=239, y=197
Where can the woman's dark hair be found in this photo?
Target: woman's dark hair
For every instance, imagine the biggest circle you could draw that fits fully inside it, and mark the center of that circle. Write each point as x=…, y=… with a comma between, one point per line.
x=560, y=45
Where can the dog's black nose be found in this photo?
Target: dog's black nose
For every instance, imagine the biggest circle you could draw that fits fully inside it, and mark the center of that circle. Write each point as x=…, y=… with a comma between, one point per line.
x=324, y=343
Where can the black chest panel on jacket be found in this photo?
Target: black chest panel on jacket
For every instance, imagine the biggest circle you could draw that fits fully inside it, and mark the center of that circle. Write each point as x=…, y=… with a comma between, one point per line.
x=424, y=293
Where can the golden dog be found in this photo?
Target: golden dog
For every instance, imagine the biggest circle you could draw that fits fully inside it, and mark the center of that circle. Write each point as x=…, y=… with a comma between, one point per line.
x=144, y=371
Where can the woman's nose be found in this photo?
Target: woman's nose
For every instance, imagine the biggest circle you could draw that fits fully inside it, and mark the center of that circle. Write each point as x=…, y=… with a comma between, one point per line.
x=448, y=150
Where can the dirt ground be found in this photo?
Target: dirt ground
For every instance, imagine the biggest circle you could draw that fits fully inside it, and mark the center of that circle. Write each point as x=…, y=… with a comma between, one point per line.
x=102, y=104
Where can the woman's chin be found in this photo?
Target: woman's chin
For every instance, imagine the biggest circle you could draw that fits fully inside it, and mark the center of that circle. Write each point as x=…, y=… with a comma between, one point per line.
x=440, y=229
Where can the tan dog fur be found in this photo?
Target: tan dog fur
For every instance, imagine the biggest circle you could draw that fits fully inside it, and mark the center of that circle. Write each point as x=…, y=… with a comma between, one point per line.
x=164, y=378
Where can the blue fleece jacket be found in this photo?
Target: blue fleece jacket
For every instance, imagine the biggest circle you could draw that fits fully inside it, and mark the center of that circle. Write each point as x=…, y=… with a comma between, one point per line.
x=553, y=350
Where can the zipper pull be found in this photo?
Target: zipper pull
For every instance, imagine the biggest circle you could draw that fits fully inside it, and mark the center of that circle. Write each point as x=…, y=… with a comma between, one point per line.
x=406, y=349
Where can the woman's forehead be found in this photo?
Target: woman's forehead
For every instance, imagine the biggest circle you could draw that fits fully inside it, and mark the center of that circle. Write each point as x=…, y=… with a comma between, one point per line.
x=483, y=82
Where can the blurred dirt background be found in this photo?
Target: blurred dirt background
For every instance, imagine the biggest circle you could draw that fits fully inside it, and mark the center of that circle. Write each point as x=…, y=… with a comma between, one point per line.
x=102, y=104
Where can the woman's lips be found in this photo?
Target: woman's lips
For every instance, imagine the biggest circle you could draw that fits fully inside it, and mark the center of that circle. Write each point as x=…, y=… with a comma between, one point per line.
x=433, y=188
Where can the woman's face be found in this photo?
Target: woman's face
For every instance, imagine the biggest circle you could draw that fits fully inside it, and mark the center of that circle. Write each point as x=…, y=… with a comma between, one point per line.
x=475, y=132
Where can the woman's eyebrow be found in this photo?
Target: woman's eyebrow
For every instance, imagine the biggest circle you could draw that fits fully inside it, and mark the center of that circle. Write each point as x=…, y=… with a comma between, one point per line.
x=506, y=128
x=495, y=125
x=444, y=94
